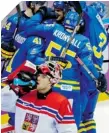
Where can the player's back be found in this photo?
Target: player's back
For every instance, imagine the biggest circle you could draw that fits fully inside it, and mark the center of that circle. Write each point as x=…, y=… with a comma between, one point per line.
x=13, y=22
x=57, y=41
x=95, y=31
x=55, y=44
x=31, y=49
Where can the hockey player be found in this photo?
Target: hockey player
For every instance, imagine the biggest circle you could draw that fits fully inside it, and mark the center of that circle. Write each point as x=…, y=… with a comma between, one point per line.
x=28, y=48
x=32, y=50
x=89, y=93
x=80, y=45
x=16, y=22
x=31, y=46
x=41, y=110
x=98, y=39
x=60, y=8
x=34, y=42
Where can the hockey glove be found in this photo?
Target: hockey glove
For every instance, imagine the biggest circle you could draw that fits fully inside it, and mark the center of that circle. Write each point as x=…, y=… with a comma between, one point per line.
x=23, y=79
x=102, y=83
x=47, y=13
x=7, y=50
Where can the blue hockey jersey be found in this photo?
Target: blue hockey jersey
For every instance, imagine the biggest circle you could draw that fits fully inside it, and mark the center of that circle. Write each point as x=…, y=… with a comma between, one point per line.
x=12, y=23
x=31, y=49
x=56, y=39
x=95, y=31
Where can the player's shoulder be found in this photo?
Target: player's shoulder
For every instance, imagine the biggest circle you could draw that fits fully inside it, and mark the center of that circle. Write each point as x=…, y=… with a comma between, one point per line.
x=57, y=97
x=29, y=96
x=13, y=18
x=34, y=40
x=81, y=37
x=59, y=26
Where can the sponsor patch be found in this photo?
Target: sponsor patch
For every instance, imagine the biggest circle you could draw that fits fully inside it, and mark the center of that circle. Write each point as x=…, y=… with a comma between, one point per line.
x=66, y=87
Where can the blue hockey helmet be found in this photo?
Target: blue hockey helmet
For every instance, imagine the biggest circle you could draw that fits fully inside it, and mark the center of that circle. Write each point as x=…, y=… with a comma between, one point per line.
x=71, y=20
x=100, y=8
x=59, y=5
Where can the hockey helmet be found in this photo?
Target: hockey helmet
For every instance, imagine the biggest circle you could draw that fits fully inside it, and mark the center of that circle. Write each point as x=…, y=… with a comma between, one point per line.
x=60, y=5
x=71, y=20
x=51, y=69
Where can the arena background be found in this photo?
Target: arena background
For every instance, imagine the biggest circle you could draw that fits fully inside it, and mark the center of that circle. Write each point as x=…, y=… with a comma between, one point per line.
x=103, y=96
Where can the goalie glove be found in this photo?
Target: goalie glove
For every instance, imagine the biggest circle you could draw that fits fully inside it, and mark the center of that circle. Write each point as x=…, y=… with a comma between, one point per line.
x=23, y=83
x=102, y=83
x=7, y=50
x=23, y=79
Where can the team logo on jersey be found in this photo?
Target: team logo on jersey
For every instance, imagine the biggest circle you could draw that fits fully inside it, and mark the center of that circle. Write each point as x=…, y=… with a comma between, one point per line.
x=30, y=122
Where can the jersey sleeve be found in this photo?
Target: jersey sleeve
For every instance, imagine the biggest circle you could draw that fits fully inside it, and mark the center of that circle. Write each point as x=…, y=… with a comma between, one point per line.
x=65, y=119
x=85, y=54
x=33, y=21
x=41, y=30
x=8, y=100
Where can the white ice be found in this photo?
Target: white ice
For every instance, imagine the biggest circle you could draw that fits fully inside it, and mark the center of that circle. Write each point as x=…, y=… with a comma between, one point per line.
x=102, y=117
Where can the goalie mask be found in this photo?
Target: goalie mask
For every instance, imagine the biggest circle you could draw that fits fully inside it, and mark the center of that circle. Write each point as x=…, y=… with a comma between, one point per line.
x=52, y=70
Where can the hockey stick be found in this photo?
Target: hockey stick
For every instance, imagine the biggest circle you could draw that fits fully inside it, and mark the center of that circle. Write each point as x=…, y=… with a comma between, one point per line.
x=105, y=61
x=71, y=38
x=77, y=58
x=88, y=71
x=78, y=9
x=69, y=42
x=4, y=64
x=19, y=17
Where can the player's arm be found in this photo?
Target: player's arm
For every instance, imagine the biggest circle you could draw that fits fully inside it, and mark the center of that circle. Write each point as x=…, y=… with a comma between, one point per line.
x=86, y=57
x=42, y=14
x=20, y=82
x=85, y=54
x=23, y=79
x=41, y=30
x=65, y=119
